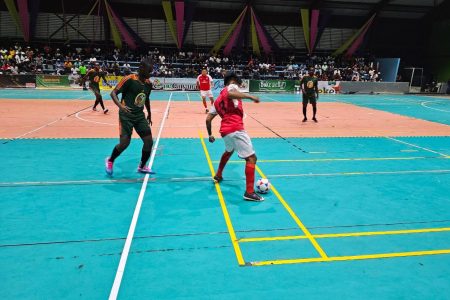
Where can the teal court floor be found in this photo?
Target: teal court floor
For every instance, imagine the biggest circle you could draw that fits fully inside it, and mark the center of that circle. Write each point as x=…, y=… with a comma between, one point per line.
x=431, y=108
x=347, y=218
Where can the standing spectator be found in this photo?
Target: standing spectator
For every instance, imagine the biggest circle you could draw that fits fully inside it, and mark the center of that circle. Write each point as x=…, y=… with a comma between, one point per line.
x=83, y=72
x=126, y=68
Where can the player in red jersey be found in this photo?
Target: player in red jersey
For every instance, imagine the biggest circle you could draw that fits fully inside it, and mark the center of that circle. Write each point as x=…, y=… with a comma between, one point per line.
x=229, y=107
x=204, y=84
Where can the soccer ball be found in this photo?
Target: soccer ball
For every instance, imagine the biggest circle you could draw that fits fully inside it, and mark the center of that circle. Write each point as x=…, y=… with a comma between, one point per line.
x=262, y=185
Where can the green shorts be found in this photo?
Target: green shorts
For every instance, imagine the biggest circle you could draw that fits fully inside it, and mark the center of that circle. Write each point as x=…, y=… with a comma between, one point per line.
x=94, y=88
x=128, y=121
x=309, y=99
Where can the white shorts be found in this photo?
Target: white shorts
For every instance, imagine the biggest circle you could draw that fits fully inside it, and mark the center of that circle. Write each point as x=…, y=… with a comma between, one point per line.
x=206, y=94
x=240, y=142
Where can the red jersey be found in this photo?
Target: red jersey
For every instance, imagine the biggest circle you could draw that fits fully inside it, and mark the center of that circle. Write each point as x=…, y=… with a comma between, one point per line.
x=231, y=112
x=204, y=82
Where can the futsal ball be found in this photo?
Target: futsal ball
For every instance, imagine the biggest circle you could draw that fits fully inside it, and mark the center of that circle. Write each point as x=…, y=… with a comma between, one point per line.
x=262, y=185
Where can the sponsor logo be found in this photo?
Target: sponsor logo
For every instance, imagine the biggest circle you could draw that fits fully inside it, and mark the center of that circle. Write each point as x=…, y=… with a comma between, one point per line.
x=329, y=87
x=281, y=85
x=113, y=82
x=139, y=100
x=157, y=84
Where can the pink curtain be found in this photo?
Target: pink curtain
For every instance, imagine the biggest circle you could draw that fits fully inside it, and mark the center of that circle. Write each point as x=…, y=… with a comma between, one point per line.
x=179, y=10
x=261, y=35
x=314, y=28
x=123, y=31
x=235, y=35
x=24, y=16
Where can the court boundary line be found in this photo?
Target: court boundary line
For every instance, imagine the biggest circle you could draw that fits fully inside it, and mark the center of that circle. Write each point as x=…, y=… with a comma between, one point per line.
x=277, y=135
x=214, y=233
x=229, y=224
x=348, y=257
x=204, y=178
x=417, y=146
x=342, y=159
x=423, y=104
x=295, y=218
x=90, y=121
x=126, y=249
x=344, y=235
x=361, y=173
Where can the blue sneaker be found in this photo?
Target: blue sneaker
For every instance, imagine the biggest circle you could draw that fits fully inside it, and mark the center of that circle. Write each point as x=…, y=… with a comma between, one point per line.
x=109, y=166
x=145, y=170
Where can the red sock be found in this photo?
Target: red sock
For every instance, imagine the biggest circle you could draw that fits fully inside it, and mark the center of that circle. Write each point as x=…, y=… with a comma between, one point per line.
x=250, y=177
x=223, y=161
x=204, y=103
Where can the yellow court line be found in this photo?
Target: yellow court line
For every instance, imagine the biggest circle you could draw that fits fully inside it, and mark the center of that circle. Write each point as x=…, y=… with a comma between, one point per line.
x=295, y=218
x=348, y=258
x=349, y=234
x=226, y=215
x=339, y=159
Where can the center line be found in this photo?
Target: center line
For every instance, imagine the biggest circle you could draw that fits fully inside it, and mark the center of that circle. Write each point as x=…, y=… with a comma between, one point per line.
x=126, y=249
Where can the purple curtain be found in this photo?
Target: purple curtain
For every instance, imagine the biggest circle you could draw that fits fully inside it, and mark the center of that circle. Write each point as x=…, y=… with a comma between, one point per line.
x=261, y=35
x=235, y=35
x=135, y=36
x=313, y=28
x=351, y=50
x=25, y=18
x=179, y=11
x=123, y=31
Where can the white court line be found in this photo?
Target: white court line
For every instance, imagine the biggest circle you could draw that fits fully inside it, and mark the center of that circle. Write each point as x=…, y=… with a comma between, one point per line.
x=126, y=249
x=423, y=104
x=101, y=181
x=412, y=101
x=417, y=146
x=208, y=178
x=45, y=125
x=90, y=121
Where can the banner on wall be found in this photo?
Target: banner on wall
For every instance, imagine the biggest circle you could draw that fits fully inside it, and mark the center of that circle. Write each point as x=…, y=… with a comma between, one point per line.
x=329, y=87
x=218, y=85
x=325, y=87
x=174, y=84
x=52, y=81
x=112, y=80
x=17, y=81
x=272, y=85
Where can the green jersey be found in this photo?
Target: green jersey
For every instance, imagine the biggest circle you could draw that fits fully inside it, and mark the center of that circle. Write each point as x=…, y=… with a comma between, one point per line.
x=95, y=77
x=134, y=92
x=83, y=70
x=309, y=85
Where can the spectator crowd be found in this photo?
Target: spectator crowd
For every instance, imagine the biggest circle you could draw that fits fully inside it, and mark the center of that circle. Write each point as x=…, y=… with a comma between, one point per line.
x=74, y=60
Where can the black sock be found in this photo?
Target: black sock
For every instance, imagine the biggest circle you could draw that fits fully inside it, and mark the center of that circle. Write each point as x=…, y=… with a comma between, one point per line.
x=144, y=158
x=314, y=111
x=96, y=102
x=100, y=100
x=304, y=111
x=115, y=153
